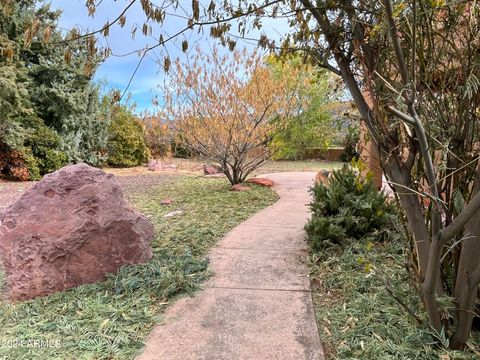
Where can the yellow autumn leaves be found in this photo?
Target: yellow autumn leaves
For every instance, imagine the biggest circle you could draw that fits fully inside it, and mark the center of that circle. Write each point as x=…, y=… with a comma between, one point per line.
x=227, y=105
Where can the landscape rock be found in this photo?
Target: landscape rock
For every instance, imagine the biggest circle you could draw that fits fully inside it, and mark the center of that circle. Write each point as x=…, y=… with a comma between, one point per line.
x=239, y=187
x=166, y=201
x=70, y=228
x=159, y=165
x=155, y=165
x=211, y=170
x=261, y=181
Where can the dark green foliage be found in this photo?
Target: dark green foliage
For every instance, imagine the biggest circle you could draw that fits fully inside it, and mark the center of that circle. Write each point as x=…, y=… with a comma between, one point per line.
x=348, y=208
x=14, y=105
x=35, y=81
x=126, y=144
x=45, y=146
x=67, y=101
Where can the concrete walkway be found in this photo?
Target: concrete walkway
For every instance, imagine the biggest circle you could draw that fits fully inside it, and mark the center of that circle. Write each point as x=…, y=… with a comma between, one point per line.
x=258, y=304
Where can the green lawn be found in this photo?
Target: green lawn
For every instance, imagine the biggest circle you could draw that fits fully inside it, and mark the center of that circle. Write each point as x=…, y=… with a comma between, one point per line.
x=298, y=165
x=110, y=320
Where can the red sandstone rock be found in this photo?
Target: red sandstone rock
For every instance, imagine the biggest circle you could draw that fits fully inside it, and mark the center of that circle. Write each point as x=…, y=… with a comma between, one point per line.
x=70, y=228
x=154, y=165
x=261, y=181
x=239, y=187
x=211, y=170
x=166, y=201
x=159, y=165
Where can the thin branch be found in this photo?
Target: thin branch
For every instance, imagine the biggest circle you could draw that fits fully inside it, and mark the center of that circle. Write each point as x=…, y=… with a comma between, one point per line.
x=456, y=226
x=396, y=41
x=109, y=25
x=402, y=304
x=414, y=50
x=408, y=119
x=422, y=194
x=321, y=61
x=133, y=75
x=190, y=26
x=387, y=83
x=454, y=245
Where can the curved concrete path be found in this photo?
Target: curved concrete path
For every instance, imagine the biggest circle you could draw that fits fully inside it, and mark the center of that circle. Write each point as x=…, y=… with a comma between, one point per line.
x=258, y=304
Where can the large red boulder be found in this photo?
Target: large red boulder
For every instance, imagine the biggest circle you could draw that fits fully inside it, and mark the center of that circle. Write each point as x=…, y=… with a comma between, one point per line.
x=71, y=228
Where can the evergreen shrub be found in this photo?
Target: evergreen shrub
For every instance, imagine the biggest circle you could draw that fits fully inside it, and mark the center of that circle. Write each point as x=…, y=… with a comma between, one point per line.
x=45, y=145
x=348, y=208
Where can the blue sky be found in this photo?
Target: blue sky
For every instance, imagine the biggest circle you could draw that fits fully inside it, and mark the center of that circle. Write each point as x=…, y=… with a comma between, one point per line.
x=116, y=71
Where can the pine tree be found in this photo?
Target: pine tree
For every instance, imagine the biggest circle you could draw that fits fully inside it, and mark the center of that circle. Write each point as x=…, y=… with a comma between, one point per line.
x=41, y=93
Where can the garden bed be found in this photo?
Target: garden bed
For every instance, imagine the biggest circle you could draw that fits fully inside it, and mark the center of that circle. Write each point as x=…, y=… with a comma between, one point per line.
x=357, y=316
x=366, y=302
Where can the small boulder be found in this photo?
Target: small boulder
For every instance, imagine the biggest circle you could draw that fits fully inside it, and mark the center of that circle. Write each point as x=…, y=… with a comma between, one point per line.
x=166, y=201
x=70, y=228
x=155, y=165
x=239, y=187
x=261, y=181
x=211, y=170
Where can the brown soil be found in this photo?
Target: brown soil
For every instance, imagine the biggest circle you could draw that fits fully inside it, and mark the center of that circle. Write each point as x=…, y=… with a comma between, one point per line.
x=131, y=181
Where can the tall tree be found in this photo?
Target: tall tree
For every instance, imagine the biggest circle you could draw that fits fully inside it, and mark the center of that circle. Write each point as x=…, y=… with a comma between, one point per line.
x=402, y=66
x=314, y=126
x=42, y=93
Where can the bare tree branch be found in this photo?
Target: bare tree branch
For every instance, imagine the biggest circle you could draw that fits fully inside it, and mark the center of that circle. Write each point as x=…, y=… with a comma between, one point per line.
x=459, y=222
x=408, y=119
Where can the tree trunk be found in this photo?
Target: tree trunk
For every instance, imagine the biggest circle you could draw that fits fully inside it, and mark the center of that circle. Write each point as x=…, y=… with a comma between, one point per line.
x=431, y=283
x=415, y=218
x=466, y=287
x=369, y=155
